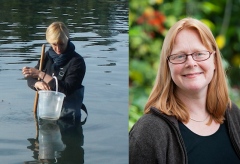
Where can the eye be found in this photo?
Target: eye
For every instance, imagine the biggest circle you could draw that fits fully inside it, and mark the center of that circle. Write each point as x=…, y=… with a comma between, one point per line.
x=58, y=44
x=200, y=54
x=61, y=44
x=178, y=57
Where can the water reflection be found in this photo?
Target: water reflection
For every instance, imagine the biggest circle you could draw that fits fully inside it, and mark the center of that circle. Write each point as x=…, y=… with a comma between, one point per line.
x=58, y=141
x=99, y=30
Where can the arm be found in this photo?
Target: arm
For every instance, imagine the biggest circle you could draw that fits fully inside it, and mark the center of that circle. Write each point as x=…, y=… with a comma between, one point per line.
x=32, y=75
x=35, y=77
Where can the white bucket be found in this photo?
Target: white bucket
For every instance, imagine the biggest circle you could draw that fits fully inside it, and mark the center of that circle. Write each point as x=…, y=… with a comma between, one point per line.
x=50, y=104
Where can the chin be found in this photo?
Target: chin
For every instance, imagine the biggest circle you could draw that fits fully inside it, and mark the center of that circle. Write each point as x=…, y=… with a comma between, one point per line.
x=196, y=88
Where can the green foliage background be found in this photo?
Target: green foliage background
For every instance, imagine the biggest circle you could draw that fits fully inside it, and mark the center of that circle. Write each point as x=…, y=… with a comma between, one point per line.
x=149, y=21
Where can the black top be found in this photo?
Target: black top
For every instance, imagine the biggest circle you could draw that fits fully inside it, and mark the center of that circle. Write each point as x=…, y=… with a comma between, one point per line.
x=215, y=148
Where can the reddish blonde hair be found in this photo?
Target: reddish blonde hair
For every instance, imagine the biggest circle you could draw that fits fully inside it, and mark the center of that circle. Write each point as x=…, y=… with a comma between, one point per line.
x=162, y=95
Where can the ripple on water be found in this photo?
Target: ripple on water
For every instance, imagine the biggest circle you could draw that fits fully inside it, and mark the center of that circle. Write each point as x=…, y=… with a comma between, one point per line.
x=11, y=115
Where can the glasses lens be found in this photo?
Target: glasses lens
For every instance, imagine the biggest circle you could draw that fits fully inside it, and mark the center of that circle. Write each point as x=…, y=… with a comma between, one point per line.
x=178, y=58
x=200, y=56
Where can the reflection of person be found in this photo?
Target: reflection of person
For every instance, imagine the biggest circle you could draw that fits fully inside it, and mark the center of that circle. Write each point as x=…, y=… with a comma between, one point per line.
x=58, y=140
x=72, y=137
x=189, y=117
x=62, y=61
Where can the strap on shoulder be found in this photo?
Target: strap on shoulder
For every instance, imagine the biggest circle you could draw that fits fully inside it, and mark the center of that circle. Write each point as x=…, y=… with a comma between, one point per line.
x=62, y=71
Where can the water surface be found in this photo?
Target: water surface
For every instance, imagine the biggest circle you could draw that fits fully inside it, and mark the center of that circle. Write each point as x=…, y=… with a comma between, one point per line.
x=99, y=30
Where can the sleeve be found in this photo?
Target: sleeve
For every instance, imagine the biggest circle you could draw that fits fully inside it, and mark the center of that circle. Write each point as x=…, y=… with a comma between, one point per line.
x=31, y=81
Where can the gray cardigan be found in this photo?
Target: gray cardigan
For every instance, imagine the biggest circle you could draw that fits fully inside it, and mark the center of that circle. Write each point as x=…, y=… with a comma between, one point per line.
x=156, y=138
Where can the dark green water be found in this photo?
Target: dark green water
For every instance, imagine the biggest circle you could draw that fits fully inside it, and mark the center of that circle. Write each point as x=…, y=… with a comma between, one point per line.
x=99, y=30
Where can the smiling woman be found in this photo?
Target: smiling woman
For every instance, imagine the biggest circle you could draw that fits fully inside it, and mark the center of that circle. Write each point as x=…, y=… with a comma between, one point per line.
x=190, y=76
x=189, y=114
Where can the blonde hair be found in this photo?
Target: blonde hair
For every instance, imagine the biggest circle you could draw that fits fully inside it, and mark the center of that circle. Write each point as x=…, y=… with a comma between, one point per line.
x=162, y=95
x=57, y=32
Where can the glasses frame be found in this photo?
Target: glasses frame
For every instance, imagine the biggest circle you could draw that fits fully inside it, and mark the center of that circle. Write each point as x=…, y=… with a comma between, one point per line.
x=210, y=53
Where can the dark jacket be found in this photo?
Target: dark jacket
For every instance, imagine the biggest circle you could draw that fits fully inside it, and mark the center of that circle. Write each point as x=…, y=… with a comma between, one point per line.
x=156, y=138
x=72, y=79
x=69, y=82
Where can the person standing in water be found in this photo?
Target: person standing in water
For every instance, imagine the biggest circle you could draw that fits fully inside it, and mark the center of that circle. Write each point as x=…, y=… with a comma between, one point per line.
x=62, y=61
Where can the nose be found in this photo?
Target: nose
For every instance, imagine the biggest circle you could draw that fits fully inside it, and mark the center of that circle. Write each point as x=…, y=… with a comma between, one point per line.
x=58, y=47
x=190, y=62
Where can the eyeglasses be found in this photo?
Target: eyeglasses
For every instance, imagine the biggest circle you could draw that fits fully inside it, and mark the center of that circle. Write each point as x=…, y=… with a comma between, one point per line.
x=197, y=56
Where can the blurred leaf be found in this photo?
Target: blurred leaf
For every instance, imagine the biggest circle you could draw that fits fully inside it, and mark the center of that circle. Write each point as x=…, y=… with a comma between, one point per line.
x=236, y=60
x=220, y=39
x=209, y=7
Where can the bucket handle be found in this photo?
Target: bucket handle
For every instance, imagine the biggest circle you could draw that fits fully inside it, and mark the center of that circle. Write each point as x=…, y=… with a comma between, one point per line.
x=56, y=84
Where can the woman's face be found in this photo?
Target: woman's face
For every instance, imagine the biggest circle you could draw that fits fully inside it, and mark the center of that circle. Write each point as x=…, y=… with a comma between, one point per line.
x=191, y=76
x=59, y=47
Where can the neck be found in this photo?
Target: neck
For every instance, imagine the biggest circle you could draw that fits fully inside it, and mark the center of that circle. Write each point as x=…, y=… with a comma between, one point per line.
x=196, y=105
x=203, y=120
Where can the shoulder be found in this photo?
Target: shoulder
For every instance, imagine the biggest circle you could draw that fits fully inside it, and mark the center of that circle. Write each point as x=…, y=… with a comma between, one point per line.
x=147, y=134
x=77, y=61
x=233, y=119
x=233, y=122
x=233, y=114
x=234, y=111
x=151, y=136
x=148, y=120
x=151, y=125
x=235, y=107
x=77, y=57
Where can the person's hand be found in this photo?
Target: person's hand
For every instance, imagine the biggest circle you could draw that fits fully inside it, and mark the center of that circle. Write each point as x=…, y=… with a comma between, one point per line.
x=40, y=85
x=30, y=72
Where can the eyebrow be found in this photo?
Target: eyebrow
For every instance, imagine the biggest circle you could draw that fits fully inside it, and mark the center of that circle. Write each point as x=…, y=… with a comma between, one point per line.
x=184, y=52
x=58, y=43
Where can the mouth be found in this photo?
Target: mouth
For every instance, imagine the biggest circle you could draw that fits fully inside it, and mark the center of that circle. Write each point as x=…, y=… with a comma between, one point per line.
x=192, y=74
